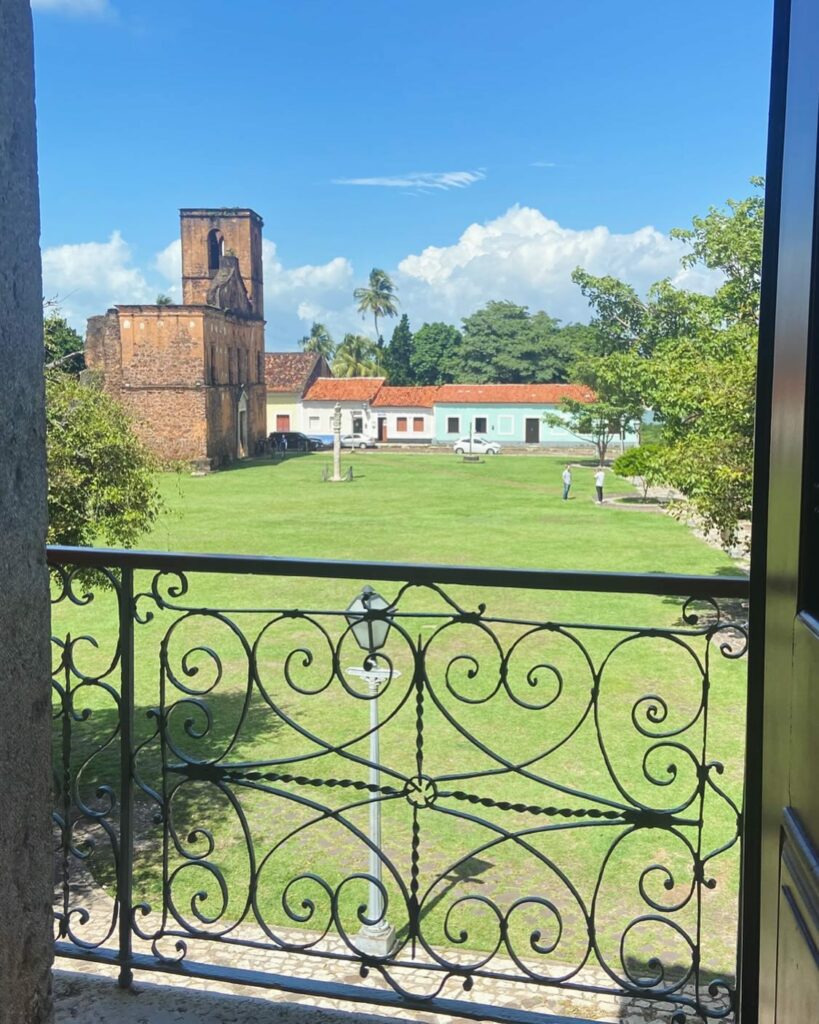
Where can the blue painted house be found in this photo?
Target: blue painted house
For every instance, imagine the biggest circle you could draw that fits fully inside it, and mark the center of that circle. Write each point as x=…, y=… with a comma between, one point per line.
x=510, y=414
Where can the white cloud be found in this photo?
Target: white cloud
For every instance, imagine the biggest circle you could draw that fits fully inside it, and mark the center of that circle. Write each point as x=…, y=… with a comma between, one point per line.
x=91, y=276
x=419, y=179
x=168, y=261
x=543, y=163
x=75, y=7
x=521, y=255
x=296, y=296
x=528, y=258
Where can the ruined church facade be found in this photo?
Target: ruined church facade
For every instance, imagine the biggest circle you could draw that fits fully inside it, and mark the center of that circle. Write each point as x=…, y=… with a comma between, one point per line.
x=192, y=375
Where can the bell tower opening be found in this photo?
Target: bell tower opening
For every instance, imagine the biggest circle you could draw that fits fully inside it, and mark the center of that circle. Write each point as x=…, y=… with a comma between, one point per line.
x=216, y=249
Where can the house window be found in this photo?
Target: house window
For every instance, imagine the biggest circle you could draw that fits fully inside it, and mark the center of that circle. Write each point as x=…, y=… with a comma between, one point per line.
x=453, y=425
x=314, y=422
x=358, y=423
x=480, y=424
x=418, y=424
x=401, y=424
x=506, y=424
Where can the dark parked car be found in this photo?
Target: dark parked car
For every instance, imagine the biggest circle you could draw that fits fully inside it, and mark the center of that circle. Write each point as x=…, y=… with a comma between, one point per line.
x=296, y=441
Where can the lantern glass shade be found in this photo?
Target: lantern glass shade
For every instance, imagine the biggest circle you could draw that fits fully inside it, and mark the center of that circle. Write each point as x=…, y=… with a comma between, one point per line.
x=370, y=633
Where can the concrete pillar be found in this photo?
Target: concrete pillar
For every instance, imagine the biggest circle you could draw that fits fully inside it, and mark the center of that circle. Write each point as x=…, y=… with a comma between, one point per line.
x=25, y=744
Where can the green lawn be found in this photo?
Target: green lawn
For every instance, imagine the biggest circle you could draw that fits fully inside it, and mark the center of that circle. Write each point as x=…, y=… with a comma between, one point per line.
x=505, y=511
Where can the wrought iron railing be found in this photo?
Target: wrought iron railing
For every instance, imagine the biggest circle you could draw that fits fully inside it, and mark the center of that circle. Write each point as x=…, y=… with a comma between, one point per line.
x=558, y=800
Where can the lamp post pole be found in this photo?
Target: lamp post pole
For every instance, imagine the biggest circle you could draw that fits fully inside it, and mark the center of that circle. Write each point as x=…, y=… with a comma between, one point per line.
x=378, y=938
x=370, y=632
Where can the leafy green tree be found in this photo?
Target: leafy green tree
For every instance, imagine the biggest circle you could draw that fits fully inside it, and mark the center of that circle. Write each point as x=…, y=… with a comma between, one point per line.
x=164, y=300
x=356, y=356
x=377, y=298
x=319, y=341
x=578, y=341
x=730, y=240
x=703, y=390
x=641, y=463
x=435, y=354
x=504, y=344
x=63, y=345
x=398, y=353
x=101, y=478
x=699, y=360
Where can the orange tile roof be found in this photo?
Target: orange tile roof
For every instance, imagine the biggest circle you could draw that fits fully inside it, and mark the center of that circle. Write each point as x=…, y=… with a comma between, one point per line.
x=344, y=389
x=513, y=394
x=290, y=371
x=404, y=398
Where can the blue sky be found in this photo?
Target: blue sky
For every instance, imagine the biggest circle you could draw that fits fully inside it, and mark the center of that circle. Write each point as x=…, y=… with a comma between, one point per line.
x=495, y=145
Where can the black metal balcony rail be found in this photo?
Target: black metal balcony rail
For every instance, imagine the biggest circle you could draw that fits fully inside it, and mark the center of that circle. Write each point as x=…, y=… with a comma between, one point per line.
x=514, y=799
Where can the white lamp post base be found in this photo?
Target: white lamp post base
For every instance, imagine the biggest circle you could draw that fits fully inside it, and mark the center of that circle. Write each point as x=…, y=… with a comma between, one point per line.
x=376, y=939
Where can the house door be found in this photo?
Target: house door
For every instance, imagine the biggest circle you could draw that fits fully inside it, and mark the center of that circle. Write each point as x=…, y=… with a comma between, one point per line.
x=382, y=428
x=533, y=431
x=781, y=867
x=282, y=421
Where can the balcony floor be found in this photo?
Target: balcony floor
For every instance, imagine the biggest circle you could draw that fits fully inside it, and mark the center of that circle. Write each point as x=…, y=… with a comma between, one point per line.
x=88, y=992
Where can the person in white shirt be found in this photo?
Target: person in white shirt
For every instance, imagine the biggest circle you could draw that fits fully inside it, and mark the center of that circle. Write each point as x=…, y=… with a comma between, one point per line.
x=567, y=482
x=599, y=477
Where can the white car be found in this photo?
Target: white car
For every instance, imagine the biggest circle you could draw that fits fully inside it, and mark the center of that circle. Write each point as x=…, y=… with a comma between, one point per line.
x=357, y=441
x=477, y=446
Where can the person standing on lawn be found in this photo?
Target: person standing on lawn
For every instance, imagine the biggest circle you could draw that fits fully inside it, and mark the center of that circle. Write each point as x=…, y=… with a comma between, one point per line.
x=567, y=482
x=599, y=478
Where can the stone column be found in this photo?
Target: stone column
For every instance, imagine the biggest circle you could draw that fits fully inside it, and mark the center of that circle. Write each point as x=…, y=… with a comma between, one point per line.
x=25, y=729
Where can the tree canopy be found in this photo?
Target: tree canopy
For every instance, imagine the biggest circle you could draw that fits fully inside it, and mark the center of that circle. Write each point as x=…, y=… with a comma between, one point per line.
x=318, y=341
x=503, y=343
x=63, y=345
x=398, y=354
x=377, y=297
x=101, y=478
x=356, y=356
x=435, y=354
x=691, y=357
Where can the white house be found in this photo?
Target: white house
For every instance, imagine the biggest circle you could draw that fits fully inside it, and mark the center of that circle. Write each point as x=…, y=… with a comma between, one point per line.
x=405, y=415
x=355, y=395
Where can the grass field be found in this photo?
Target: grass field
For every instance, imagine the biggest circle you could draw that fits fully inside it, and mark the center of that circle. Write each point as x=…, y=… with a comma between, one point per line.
x=505, y=511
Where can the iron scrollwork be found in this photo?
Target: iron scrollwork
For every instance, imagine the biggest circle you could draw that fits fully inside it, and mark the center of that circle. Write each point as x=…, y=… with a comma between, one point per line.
x=548, y=821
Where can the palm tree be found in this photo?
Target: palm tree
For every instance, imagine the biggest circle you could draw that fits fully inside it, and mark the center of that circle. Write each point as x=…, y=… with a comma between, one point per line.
x=378, y=297
x=319, y=341
x=356, y=356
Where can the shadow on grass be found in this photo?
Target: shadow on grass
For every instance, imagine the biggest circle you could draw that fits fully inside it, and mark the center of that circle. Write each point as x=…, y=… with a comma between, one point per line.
x=93, y=769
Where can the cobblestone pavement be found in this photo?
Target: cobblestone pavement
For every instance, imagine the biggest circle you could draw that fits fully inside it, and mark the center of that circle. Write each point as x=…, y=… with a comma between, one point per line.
x=88, y=992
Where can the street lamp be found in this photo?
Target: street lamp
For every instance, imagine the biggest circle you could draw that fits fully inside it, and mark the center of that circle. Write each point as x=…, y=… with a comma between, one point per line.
x=370, y=631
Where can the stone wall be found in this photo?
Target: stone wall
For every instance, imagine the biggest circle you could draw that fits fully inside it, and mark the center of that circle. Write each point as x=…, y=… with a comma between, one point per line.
x=162, y=346
x=26, y=866
x=172, y=421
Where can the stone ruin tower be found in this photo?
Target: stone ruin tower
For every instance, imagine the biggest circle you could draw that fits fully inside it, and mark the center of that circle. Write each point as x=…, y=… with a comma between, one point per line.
x=192, y=375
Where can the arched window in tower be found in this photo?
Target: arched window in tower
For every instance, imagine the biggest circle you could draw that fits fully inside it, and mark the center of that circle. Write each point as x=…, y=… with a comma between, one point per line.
x=216, y=248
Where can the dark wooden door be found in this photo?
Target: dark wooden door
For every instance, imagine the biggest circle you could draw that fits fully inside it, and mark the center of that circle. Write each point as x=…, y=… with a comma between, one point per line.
x=532, y=431
x=382, y=428
x=781, y=870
